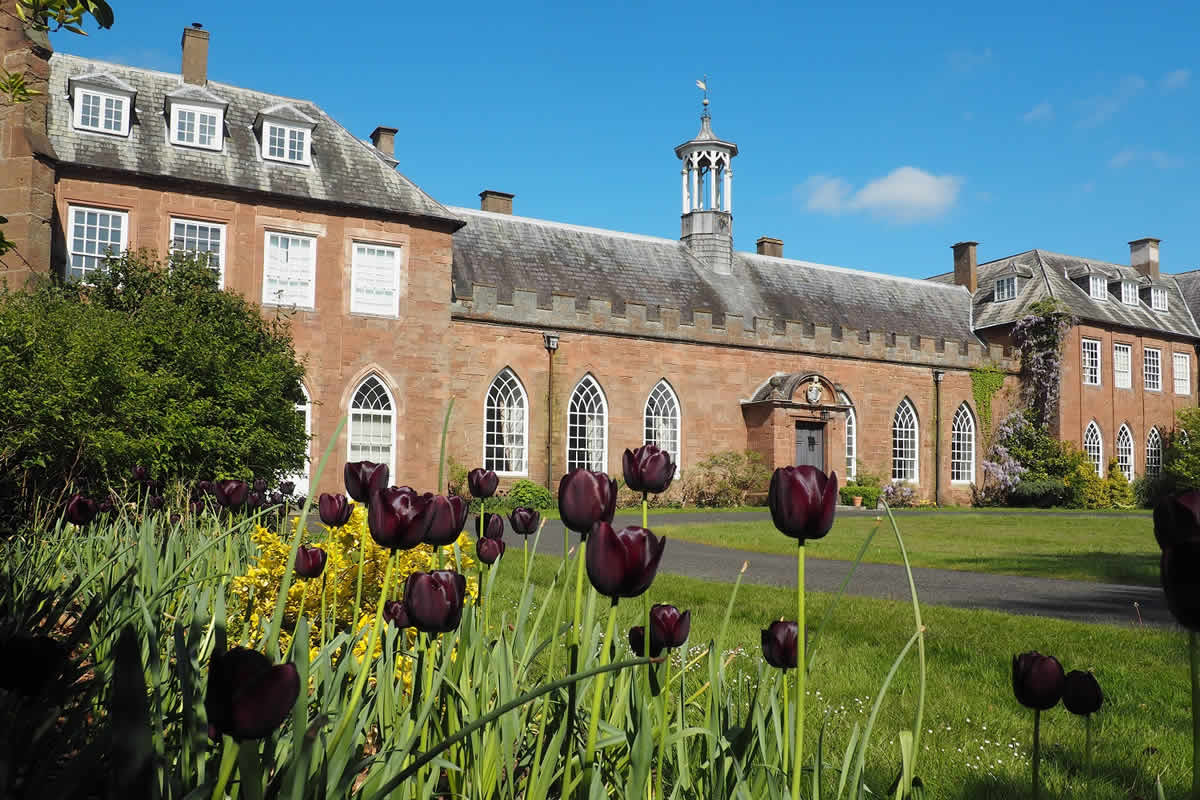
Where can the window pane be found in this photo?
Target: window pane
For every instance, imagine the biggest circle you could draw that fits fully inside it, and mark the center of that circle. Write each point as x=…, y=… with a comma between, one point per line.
x=587, y=427
x=94, y=235
x=375, y=275
x=1093, y=447
x=505, y=445
x=661, y=420
x=962, y=446
x=904, y=443
x=371, y=418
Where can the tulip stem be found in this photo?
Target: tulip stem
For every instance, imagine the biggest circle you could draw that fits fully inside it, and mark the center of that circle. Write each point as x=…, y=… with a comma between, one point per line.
x=323, y=618
x=787, y=728
x=1194, y=652
x=362, y=555
x=645, y=508
x=598, y=693
x=1037, y=751
x=798, y=761
x=300, y=613
x=229, y=754
x=351, y=711
x=573, y=645
x=525, y=581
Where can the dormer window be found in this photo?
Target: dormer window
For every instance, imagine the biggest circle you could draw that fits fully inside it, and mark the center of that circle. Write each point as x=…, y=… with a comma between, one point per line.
x=285, y=134
x=101, y=103
x=1097, y=287
x=1158, y=298
x=196, y=126
x=1129, y=293
x=1006, y=288
x=285, y=143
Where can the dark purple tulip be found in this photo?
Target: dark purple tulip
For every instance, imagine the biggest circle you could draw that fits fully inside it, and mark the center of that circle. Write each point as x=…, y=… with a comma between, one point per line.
x=648, y=469
x=196, y=507
x=524, y=521
x=81, y=510
x=668, y=627
x=779, y=643
x=30, y=662
x=156, y=502
x=395, y=613
x=231, y=493
x=260, y=485
x=397, y=517
x=254, y=500
x=447, y=516
x=106, y=507
x=141, y=474
x=205, y=487
x=489, y=550
x=1180, y=572
x=585, y=498
x=1081, y=693
x=310, y=561
x=1037, y=680
x=335, y=509
x=276, y=499
x=287, y=487
x=176, y=518
x=435, y=600
x=1177, y=519
x=623, y=563
x=493, y=525
x=364, y=478
x=637, y=642
x=802, y=500
x=482, y=482
x=247, y=696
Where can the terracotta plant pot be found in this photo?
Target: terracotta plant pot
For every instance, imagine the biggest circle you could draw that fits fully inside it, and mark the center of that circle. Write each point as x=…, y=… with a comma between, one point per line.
x=857, y=501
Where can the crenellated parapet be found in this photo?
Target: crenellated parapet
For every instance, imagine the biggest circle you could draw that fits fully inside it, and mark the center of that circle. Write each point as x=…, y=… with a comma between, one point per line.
x=593, y=315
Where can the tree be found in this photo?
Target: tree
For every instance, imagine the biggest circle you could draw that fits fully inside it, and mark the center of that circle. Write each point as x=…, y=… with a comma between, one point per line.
x=152, y=365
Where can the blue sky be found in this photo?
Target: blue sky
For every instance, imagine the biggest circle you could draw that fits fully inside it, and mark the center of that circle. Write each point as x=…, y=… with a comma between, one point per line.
x=872, y=135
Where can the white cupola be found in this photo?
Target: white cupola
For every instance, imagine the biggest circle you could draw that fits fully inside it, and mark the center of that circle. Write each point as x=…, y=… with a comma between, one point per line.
x=707, y=191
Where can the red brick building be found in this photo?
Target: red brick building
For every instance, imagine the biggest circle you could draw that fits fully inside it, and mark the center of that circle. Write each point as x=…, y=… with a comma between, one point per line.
x=561, y=345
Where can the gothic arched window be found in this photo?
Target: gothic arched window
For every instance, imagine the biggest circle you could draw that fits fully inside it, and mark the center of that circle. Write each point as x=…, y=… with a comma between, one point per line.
x=904, y=443
x=506, y=420
x=587, y=427
x=1153, y=453
x=304, y=411
x=661, y=420
x=1093, y=446
x=851, y=437
x=962, y=446
x=372, y=424
x=1125, y=452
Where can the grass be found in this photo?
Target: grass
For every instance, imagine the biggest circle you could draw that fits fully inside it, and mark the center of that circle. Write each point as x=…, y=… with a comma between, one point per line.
x=1109, y=550
x=977, y=738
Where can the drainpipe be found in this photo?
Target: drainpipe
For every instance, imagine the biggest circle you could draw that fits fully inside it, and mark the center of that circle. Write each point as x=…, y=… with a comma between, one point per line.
x=550, y=341
x=937, y=436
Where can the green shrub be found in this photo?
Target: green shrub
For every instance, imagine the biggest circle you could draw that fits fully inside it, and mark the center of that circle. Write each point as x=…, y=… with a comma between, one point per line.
x=1181, y=460
x=723, y=480
x=1088, y=490
x=864, y=478
x=1120, y=495
x=153, y=365
x=1149, y=490
x=530, y=495
x=869, y=494
x=1041, y=493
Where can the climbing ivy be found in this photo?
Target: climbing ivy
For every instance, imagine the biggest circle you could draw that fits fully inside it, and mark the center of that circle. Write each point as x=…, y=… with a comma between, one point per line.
x=985, y=382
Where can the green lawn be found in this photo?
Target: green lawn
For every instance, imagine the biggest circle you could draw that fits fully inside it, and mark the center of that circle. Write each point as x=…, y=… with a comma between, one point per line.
x=977, y=738
x=1113, y=550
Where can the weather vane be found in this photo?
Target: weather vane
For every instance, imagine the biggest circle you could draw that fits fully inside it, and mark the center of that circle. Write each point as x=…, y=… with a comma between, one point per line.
x=702, y=85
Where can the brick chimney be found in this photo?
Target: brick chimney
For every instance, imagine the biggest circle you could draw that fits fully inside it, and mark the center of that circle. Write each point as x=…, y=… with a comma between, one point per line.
x=498, y=202
x=1143, y=256
x=195, y=55
x=26, y=156
x=384, y=140
x=966, y=268
x=770, y=247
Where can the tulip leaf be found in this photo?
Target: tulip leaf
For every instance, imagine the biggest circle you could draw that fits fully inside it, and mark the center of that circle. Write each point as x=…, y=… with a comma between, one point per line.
x=133, y=747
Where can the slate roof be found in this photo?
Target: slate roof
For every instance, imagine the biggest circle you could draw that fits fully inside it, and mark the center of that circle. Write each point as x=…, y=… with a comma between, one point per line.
x=344, y=170
x=510, y=252
x=1053, y=275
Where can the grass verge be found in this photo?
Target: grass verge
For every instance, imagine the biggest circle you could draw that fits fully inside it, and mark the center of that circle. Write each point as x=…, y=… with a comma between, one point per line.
x=976, y=744
x=1108, y=550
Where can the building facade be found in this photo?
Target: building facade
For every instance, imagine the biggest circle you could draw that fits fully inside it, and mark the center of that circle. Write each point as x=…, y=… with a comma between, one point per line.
x=561, y=345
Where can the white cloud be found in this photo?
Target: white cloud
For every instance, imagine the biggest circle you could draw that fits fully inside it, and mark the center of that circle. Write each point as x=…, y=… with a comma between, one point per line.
x=968, y=60
x=1157, y=158
x=905, y=195
x=1175, y=79
x=1100, y=109
x=1042, y=111
x=1088, y=187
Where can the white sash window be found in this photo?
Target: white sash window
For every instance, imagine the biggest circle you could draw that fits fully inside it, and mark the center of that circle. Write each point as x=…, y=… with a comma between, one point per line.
x=290, y=272
x=375, y=280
